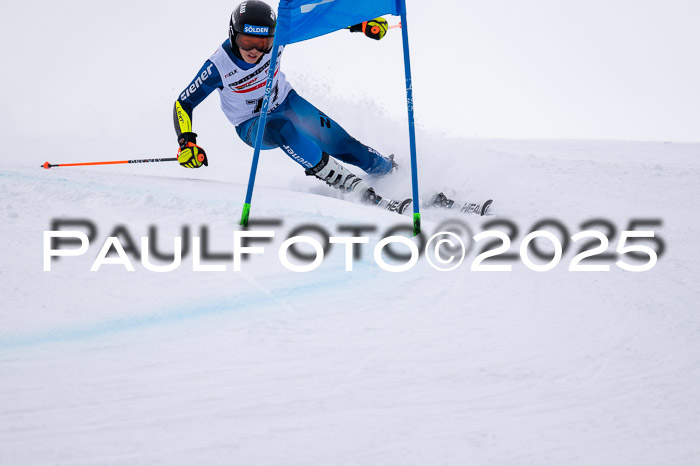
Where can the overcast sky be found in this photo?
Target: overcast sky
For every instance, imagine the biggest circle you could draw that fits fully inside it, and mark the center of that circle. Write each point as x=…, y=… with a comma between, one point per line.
x=507, y=69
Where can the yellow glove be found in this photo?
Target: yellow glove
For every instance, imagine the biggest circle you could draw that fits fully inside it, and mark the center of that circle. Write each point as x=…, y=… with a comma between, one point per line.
x=374, y=29
x=190, y=155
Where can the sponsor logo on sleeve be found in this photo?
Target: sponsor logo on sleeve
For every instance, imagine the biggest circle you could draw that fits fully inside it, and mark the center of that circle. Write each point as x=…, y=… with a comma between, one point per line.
x=196, y=83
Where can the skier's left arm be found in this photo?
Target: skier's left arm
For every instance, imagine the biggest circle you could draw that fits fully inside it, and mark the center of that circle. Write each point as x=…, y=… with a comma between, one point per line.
x=374, y=29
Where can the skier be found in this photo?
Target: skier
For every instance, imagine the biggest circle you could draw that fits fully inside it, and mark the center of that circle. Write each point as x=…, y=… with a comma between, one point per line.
x=238, y=70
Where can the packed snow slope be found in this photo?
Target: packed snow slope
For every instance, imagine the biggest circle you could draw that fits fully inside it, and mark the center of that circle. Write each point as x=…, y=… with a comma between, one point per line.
x=268, y=366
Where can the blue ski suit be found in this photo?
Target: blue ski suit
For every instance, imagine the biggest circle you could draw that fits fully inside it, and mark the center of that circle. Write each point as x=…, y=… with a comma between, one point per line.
x=297, y=127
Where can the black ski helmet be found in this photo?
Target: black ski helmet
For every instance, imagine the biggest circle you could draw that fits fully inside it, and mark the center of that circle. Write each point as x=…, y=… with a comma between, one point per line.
x=252, y=17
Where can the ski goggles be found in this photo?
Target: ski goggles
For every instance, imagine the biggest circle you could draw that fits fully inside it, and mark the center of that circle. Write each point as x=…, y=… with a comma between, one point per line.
x=248, y=43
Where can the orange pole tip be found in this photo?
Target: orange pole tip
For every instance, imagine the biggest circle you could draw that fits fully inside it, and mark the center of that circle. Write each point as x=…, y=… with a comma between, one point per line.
x=46, y=165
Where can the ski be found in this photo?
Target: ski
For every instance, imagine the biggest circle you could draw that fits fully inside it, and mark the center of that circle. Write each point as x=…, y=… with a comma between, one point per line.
x=441, y=201
x=400, y=207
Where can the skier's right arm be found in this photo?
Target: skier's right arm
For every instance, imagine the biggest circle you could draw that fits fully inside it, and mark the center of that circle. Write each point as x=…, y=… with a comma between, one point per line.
x=190, y=155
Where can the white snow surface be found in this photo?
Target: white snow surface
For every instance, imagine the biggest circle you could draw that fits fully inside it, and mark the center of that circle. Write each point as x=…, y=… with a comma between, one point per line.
x=267, y=366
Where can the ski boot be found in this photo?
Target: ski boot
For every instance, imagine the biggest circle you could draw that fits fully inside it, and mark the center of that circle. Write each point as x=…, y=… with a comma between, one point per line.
x=394, y=165
x=339, y=177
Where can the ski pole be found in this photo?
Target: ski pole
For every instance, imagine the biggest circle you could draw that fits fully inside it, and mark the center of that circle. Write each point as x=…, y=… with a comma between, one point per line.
x=395, y=26
x=47, y=165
